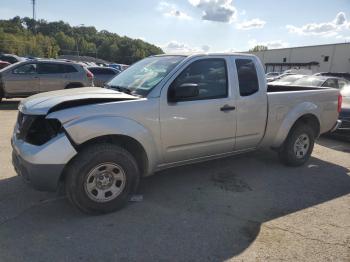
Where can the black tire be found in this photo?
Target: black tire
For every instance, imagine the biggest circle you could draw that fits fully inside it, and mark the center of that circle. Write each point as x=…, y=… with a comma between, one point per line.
x=81, y=167
x=287, y=153
x=1, y=94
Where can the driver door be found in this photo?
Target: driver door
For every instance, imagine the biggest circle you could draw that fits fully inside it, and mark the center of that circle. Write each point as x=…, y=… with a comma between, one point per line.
x=204, y=125
x=23, y=80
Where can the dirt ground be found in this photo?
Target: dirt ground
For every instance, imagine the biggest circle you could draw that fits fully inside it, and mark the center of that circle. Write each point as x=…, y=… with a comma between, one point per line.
x=247, y=208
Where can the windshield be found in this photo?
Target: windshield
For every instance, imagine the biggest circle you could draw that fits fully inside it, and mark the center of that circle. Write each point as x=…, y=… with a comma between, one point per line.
x=309, y=81
x=140, y=78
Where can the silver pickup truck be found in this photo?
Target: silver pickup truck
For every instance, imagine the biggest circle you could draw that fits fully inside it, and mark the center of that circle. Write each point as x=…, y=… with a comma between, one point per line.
x=163, y=111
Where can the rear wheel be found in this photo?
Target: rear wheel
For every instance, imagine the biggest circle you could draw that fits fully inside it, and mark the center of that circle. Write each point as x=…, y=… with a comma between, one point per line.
x=297, y=148
x=101, y=178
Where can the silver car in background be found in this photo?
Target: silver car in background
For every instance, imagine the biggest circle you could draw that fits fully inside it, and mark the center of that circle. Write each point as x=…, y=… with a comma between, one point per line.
x=287, y=80
x=35, y=76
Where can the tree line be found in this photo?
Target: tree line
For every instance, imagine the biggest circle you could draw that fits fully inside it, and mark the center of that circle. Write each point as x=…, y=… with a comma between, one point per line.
x=27, y=37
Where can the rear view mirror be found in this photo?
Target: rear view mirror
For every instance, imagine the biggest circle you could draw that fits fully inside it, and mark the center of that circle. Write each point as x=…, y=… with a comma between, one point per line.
x=183, y=92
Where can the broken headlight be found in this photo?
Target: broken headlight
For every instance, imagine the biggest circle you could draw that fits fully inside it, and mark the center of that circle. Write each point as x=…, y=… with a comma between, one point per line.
x=36, y=129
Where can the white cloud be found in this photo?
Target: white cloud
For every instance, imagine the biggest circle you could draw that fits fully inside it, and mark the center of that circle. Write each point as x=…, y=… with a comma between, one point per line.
x=270, y=44
x=171, y=10
x=326, y=29
x=216, y=10
x=178, y=14
x=340, y=19
x=205, y=48
x=251, y=24
x=343, y=38
x=243, y=12
x=174, y=47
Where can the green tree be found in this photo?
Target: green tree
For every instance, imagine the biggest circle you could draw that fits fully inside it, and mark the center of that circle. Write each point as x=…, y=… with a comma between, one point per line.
x=258, y=48
x=25, y=36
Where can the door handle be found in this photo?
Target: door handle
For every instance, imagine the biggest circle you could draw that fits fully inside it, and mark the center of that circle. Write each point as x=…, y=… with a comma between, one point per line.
x=227, y=108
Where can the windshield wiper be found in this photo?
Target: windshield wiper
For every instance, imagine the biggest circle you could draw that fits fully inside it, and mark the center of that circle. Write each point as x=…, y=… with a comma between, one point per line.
x=119, y=88
x=122, y=89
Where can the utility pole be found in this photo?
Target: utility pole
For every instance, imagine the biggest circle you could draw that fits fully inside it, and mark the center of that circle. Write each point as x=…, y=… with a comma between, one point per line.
x=33, y=3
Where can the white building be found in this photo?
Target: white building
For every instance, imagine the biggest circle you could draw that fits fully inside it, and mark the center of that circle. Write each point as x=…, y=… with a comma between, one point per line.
x=319, y=58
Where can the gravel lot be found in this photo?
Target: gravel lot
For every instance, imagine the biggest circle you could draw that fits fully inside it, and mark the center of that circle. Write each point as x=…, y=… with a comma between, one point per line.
x=248, y=208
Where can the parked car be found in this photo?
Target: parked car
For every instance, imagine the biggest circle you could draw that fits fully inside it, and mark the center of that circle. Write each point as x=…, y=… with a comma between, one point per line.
x=341, y=75
x=35, y=76
x=120, y=67
x=322, y=81
x=271, y=79
x=11, y=58
x=103, y=74
x=272, y=74
x=344, y=116
x=164, y=111
x=287, y=80
x=4, y=64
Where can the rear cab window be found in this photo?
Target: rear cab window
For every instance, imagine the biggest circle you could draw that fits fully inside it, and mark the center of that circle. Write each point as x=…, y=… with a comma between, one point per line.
x=247, y=77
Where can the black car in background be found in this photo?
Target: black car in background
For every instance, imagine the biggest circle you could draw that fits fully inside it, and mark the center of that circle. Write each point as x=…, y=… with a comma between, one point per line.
x=344, y=130
x=102, y=74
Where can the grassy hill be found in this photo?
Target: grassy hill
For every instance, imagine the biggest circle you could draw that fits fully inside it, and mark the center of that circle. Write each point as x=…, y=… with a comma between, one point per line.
x=24, y=36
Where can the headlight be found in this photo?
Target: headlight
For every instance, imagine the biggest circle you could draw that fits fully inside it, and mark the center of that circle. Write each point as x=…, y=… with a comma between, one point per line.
x=37, y=130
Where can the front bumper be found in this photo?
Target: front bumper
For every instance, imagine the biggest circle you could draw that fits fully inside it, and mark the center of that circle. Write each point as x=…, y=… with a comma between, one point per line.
x=43, y=165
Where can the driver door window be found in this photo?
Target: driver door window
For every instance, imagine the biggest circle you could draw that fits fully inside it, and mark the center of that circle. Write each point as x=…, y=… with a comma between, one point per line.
x=209, y=74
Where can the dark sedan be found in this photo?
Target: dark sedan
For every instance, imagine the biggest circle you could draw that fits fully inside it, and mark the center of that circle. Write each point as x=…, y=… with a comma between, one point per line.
x=344, y=115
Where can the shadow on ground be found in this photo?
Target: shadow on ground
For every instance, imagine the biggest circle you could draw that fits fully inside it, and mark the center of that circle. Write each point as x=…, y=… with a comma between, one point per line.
x=206, y=212
x=335, y=142
x=9, y=104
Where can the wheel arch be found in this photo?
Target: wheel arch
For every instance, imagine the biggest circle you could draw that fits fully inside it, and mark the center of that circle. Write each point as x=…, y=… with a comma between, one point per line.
x=134, y=147
x=306, y=114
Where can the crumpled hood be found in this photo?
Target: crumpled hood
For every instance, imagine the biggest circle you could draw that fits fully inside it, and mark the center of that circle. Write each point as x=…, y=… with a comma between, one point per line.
x=42, y=104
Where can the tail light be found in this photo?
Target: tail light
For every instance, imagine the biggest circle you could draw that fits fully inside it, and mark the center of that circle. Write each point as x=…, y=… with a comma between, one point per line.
x=340, y=101
x=89, y=74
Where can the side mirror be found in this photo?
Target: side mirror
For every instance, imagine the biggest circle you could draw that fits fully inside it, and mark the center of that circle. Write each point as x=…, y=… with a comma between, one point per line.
x=183, y=92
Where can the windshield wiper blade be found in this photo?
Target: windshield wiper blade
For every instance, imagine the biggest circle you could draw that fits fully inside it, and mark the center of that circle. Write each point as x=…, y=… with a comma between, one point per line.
x=120, y=89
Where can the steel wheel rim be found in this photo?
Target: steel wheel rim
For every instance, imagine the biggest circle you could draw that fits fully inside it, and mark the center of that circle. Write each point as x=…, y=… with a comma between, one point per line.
x=301, y=146
x=105, y=182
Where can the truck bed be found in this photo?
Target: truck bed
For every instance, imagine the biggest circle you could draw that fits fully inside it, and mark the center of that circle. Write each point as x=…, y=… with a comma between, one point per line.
x=285, y=88
x=288, y=102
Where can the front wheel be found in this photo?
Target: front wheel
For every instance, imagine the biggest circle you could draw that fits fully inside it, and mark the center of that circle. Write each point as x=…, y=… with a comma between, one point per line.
x=101, y=178
x=298, y=146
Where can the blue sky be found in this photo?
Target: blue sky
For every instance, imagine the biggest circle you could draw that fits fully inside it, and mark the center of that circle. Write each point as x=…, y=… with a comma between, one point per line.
x=202, y=25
